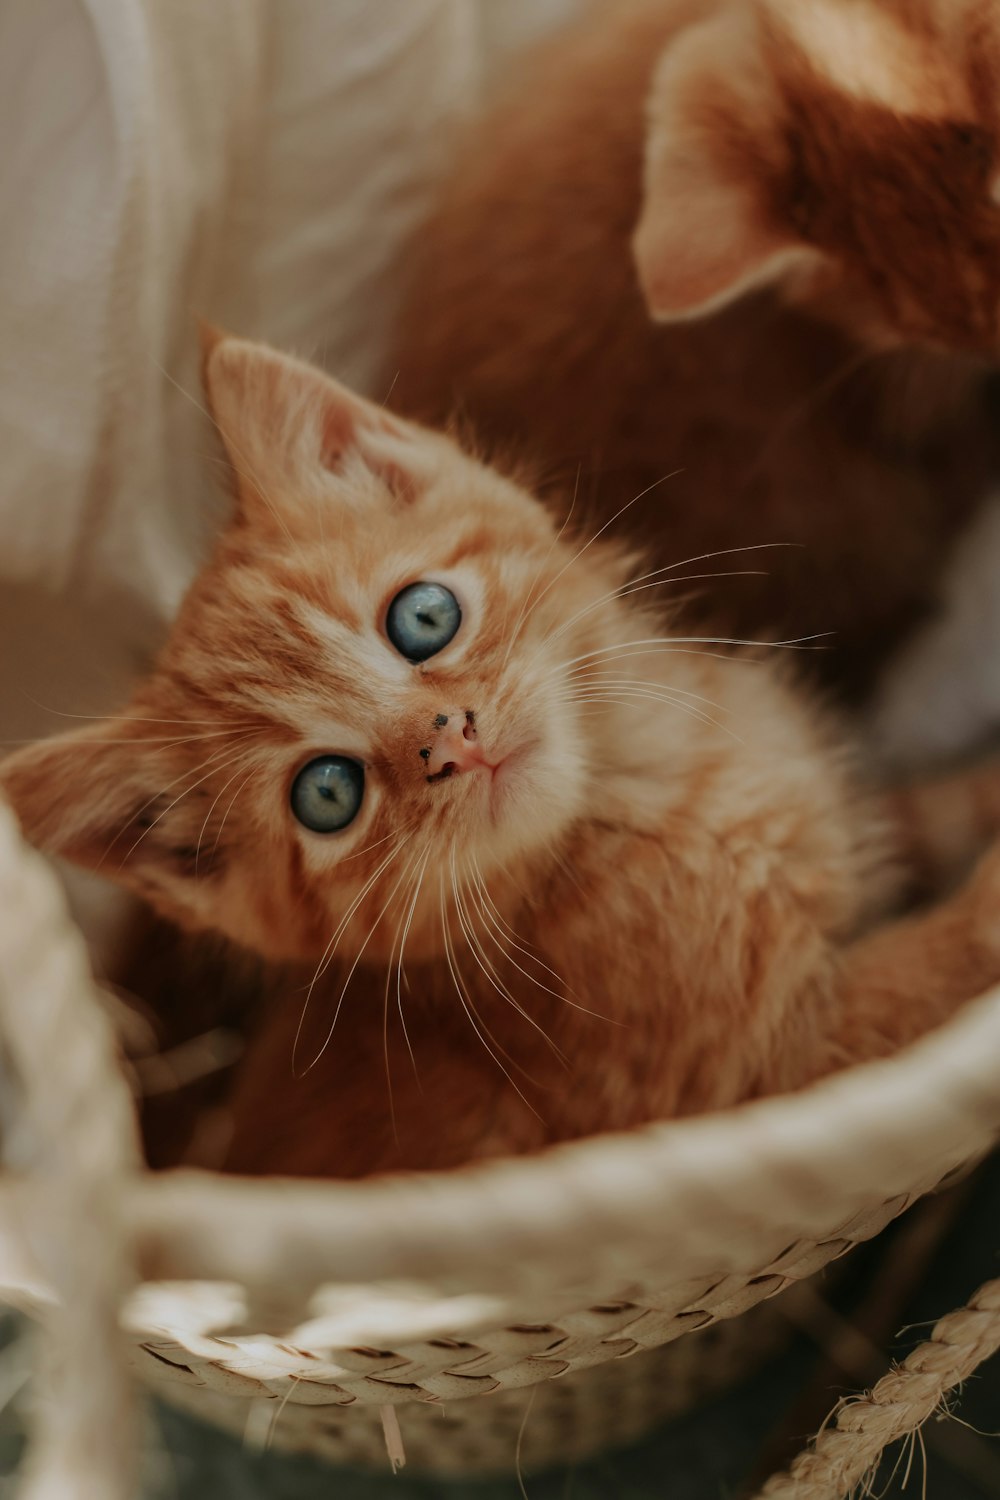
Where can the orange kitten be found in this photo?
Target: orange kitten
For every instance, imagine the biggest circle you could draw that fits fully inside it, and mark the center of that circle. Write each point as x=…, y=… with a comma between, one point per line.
x=754, y=240
x=545, y=862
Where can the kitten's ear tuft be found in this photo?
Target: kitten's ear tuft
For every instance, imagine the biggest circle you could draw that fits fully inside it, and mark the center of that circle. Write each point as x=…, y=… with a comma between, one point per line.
x=708, y=230
x=288, y=428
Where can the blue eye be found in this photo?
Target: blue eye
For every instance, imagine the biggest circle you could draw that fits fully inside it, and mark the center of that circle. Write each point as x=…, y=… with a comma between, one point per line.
x=422, y=619
x=327, y=793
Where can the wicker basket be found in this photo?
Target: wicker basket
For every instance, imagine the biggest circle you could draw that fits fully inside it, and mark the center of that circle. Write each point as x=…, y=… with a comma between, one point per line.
x=417, y=1312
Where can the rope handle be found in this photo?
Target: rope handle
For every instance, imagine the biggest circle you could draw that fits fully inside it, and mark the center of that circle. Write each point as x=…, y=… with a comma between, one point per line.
x=861, y=1428
x=70, y=1133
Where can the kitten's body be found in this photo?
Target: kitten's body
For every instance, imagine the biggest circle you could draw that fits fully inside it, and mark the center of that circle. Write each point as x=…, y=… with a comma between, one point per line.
x=599, y=871
x=841, y=407
x=658, y=961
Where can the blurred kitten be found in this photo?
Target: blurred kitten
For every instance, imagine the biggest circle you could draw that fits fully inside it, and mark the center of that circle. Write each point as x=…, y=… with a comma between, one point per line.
x=531, y=862
x=756, y=240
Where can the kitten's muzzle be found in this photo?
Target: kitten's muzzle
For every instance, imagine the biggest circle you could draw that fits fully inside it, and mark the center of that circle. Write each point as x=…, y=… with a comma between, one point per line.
x=456, y=748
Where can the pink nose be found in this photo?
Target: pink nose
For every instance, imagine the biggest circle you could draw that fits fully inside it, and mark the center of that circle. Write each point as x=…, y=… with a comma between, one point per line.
x=456, y=747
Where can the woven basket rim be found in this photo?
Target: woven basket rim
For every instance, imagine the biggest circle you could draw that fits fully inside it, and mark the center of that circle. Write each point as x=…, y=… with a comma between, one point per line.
x=682, y=1200
x=698, y=1196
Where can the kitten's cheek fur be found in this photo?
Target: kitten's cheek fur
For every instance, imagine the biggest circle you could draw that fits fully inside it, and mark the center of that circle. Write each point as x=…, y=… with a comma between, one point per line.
x=535, y=798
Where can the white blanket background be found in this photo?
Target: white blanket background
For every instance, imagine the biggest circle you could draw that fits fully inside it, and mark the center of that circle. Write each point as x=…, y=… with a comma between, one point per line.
x=255, y=162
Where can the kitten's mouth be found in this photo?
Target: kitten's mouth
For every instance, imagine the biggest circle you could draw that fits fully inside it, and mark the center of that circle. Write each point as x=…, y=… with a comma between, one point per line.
x=479, y=764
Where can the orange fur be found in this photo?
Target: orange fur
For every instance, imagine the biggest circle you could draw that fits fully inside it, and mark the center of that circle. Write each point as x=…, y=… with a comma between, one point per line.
x=806, y=190
x=664, y=901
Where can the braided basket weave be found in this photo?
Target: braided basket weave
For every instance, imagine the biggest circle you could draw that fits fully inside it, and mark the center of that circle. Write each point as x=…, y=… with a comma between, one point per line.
x=415, y=1313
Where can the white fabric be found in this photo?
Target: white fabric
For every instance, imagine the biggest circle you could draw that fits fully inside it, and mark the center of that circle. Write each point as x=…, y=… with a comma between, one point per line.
x=942, y=696
x=258, y=163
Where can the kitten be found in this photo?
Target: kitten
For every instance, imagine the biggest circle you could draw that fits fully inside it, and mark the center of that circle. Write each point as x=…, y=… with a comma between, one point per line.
x=803, y=195
x=532, y=864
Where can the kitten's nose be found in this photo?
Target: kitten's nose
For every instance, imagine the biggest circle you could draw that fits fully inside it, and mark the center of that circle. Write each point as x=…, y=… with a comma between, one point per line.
x=456, y=747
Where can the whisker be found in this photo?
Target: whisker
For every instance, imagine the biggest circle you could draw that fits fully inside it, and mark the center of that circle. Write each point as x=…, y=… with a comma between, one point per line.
x=368, y=847
x=621, y=692
x=212, y=763
x=526, y=604
x=245, y=782
x=624, y=696
x=489, y=969
x=136, y=741
x=226, y=785
x=640, y=585
x=327, y=956
x=593, y=676
x=501, y=939
x=399, y=965
x=350, y=975
x=798, y=643
x=470, y=1013
x=591, y=540
x=385, y=1007
x=132, y=718
x=328, y=953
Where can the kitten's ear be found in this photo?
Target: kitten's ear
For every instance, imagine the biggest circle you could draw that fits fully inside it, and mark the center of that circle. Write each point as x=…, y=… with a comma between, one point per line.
x=101, y=797
x=288, y=427
x=708, y=230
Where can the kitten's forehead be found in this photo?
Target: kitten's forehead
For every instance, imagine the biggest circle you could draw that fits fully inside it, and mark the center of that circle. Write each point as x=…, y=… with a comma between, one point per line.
x=298, y=631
